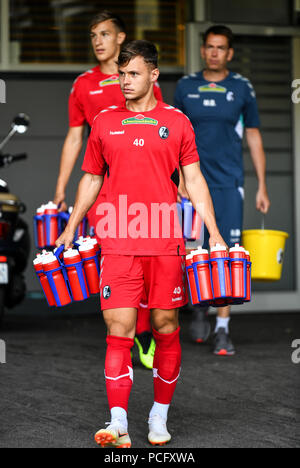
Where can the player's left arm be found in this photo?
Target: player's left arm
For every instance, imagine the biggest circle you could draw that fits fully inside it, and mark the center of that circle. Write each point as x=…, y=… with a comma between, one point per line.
x=255, y=143
x=199, y=195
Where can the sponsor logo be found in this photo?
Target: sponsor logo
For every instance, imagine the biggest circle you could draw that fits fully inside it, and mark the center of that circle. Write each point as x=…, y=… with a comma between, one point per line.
x=112, y=80
x=163, y=132
x=106, y=292
x=139, y=119
x=212, y=88
x=209, y=103
x=117, y=133
x=177, y=299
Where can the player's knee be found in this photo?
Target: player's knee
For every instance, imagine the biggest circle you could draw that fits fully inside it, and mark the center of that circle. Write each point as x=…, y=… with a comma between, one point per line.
x=118, y=358
x=165, y=321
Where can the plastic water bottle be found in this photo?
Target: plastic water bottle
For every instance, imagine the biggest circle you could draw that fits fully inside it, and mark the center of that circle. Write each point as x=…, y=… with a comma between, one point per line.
x=76, y=276
x=221, y=279
x=53, y=271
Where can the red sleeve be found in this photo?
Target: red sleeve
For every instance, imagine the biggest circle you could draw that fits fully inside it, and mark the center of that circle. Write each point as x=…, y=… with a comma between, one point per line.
x=76, y=111
x=188, y=150
x=157, y=92
x=94, y=162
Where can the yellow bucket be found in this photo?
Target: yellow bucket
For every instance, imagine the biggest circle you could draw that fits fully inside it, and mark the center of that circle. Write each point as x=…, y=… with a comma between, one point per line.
x=266, y=250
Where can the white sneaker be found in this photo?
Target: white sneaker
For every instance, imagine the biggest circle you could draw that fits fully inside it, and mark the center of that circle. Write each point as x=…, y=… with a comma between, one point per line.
x=115, y=435
x=158, y=432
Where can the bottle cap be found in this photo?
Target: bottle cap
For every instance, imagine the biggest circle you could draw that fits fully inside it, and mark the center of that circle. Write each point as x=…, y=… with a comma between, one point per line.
x=38, y=260
x=189, y=257
x=50, y=206
x=237, y=248
x=218, y=247
x=40, y=210
x=49, y=257
x=200, y=251
x=70, y=253
x=86, y=246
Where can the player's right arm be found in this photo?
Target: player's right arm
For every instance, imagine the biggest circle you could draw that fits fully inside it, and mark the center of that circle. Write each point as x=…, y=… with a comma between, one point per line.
x=70, y=152
x=88, y=190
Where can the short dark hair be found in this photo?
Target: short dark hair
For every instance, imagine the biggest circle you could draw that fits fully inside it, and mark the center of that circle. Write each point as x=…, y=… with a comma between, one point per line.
x=220, y=30
x=140, y=48
x=106, y=15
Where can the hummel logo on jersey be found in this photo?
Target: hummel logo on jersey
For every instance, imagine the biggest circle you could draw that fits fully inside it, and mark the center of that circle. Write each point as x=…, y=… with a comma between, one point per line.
x=209, y=103
x=230, y=96
x=139, y=119
x=193, y=96
x=98, y=91
x=163, y=132
x=117, y=133
x=113, y=80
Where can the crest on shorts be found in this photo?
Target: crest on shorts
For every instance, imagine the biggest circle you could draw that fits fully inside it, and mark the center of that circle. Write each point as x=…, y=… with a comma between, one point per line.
x=163, y=132
x=106, y=292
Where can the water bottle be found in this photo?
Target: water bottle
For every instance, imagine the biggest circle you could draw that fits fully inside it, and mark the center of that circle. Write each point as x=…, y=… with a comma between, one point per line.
x=187, y=209
x=221, y=280
x=39, y=228
x=38, y=266
x=238, y=273
x=76, y=276
x=202, y=272
x=50, y=224
x=248, y=296
x=196, y=226
x=89, y=254
x=191, y=279
x=56, y=279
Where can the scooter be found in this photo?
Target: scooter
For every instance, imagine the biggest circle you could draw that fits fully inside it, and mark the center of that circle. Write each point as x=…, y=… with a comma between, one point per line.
x=14, y=233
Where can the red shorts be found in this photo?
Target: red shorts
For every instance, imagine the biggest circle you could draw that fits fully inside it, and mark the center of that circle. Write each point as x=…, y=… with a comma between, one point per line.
x=124, y=278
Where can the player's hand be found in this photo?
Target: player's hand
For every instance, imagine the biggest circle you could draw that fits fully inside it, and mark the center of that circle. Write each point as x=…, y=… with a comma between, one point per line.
x=182, y=193
x=216, y=238
x=262, y=200
x=59, y=200
x=66, y=239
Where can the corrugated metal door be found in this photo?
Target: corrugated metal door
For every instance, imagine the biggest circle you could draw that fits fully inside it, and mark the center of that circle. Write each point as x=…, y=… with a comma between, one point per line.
x=266, y=61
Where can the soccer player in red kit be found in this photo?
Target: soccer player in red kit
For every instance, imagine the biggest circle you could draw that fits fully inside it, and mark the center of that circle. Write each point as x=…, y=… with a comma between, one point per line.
x=92, y=92
x=141, y=146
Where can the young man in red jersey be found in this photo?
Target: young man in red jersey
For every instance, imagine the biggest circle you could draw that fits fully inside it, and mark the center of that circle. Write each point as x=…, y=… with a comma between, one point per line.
x=92, y=92
x=141, y=146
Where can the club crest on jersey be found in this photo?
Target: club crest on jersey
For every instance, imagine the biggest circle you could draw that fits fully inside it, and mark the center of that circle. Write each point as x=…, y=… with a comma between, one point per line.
x=112, y=80
x=106, y=292
x=139, y=119
x=212, y=88
x=163, y=132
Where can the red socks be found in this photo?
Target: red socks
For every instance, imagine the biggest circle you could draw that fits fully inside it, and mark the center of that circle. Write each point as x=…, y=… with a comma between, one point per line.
x=118, y=370
x=119, y=373
x=166, y=366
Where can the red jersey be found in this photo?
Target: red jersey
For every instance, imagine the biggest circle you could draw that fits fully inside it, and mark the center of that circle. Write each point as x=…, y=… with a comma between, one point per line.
x=141, y=154
x=94, y=91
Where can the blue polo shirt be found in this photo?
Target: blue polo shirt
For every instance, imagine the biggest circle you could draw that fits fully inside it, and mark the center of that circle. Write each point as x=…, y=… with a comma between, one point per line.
x=219, y=113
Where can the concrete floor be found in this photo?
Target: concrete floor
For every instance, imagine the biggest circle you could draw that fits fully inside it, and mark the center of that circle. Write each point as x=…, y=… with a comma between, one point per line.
x=52, y=391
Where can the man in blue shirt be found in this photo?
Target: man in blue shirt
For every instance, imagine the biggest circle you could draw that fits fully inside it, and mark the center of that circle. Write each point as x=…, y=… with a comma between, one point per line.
x=221, y=105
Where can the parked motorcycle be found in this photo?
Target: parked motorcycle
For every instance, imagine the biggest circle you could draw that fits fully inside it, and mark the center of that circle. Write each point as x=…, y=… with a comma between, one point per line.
x=14, y=233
